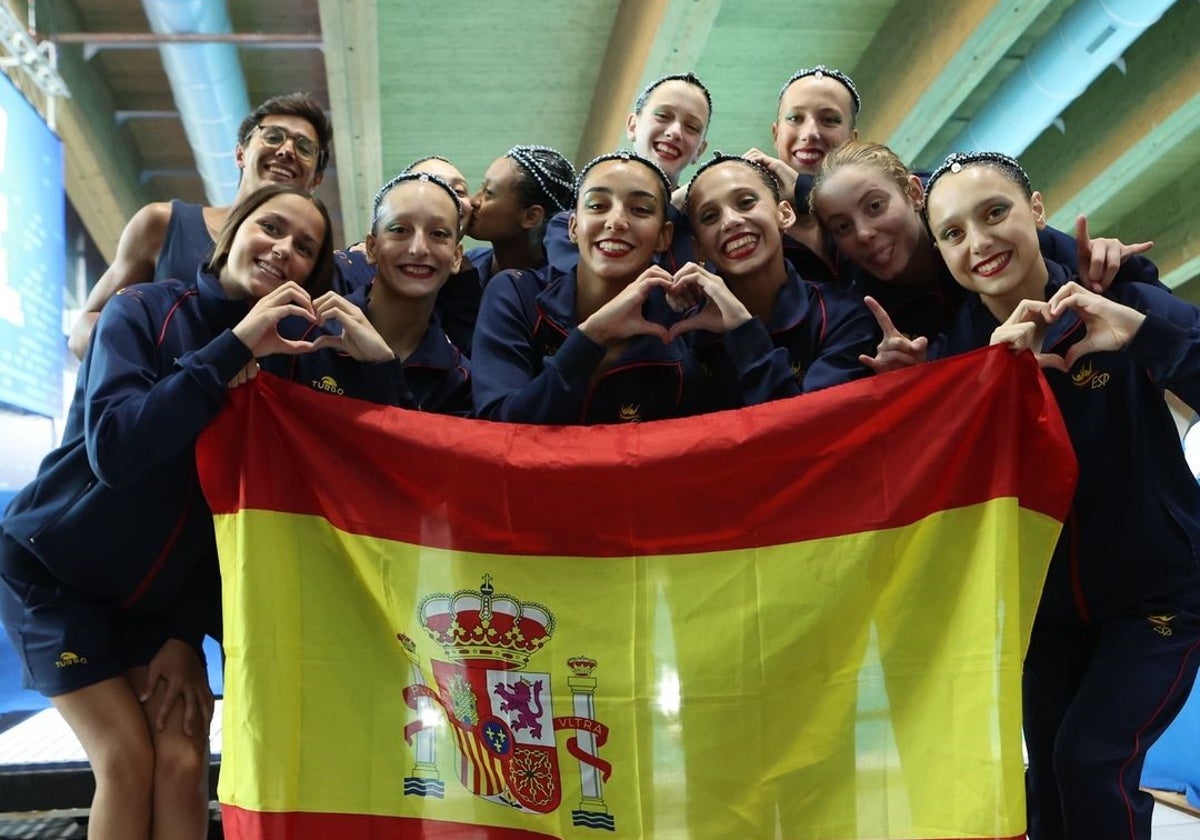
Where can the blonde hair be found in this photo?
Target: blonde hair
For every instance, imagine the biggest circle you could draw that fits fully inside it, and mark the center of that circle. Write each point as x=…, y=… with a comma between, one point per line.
x=861, y=153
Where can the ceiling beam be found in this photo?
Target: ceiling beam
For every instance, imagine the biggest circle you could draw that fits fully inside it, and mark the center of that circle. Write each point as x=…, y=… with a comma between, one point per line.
x=681, y=39
x=1176, y=252
x=958, y=44
x=1127, y=169
x=650, y=39
x=1184, y=277
x=629, y=46
x=1168, y=217
x=351, y=33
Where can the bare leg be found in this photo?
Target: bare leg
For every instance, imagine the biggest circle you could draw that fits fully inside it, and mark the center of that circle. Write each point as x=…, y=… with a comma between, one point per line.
x=180, y=770
x=108, y=720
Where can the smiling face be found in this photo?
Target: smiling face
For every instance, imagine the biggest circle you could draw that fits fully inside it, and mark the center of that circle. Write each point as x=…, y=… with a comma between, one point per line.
x=415, y=240
x=670, y=128
x=816, y=116
x=449, y=173
x=619, y=222
x=263, y=164
x=985, y=228
x=279, y=241
x=736, y=219
x=873, y=223
x=497, y=215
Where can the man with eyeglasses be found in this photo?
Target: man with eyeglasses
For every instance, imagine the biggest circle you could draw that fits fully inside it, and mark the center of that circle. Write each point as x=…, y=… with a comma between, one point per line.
x=284, y=140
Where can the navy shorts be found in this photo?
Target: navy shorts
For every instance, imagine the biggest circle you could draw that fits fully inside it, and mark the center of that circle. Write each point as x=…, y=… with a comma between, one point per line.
x=66, y=640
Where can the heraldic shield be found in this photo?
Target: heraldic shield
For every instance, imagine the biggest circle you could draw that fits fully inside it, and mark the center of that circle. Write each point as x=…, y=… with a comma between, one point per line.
x=504, y=730
x=501, y=716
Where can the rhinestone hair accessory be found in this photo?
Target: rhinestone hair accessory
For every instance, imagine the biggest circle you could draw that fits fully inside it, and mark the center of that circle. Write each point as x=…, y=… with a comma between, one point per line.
x=423, y=177
x=718, y=158
x=957, y=161
x=690, y=78
x=625, y=155
x=820, y=72
x=557, y=190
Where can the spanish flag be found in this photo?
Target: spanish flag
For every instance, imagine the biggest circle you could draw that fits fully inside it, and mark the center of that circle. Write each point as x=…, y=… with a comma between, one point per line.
x=803, y=619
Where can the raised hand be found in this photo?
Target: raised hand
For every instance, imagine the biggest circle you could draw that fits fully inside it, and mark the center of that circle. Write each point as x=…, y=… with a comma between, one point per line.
x=895, y=350
x=679, y=197
x=622, y=317
x=259, y=330
x=1100, y=259
x=1110, y=325
x=784, y=174
x=1025, y=329
x=718, y=311
x=359, y=339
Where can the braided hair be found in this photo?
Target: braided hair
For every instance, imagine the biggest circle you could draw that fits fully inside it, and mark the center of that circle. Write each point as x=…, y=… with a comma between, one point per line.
x=547, y=179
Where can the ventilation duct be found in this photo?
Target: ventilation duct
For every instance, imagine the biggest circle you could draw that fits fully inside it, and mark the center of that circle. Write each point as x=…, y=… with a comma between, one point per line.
x=1091, y=35
x=208, y=86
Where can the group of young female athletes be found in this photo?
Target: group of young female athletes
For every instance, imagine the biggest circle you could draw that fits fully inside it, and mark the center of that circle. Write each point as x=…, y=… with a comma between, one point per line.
x=619, y=294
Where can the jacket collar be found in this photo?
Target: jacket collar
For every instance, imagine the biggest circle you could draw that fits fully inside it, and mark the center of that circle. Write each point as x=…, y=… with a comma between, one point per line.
x=433, y=351
x=217, y=306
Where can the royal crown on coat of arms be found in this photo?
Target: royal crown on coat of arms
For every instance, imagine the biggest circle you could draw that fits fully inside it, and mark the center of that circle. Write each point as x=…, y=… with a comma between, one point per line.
x=499, y=714
x=480, y=627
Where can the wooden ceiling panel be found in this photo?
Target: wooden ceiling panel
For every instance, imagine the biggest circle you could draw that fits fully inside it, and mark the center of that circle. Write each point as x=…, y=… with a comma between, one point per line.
x=534, y=85
x=939, y=138
x=1168, y=218
x=295, y=18
x=143, y=111
x=161, y=143
x=271, y=72
x=804, y=20
x=101, y=15
x=137, y=78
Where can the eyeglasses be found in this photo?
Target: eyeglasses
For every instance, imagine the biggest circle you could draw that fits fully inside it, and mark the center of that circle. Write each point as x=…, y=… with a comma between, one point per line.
x=274, y=136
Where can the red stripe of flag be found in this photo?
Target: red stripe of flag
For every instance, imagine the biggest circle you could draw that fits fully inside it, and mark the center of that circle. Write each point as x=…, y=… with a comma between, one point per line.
x=862, y=457
x=241, y=823
x=309, y=826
